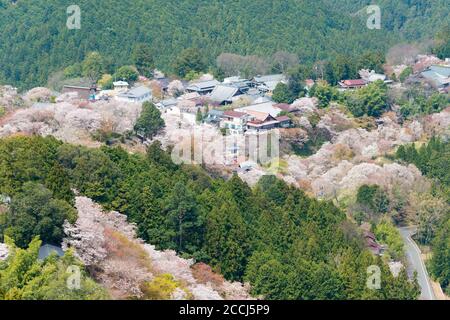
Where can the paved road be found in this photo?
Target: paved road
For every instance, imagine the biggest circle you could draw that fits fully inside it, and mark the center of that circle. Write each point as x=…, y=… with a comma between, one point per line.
x=416, y=263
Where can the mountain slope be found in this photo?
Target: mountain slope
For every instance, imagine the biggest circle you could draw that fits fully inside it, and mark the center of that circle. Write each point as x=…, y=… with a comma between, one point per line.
x=107, y=243
x=35, y=40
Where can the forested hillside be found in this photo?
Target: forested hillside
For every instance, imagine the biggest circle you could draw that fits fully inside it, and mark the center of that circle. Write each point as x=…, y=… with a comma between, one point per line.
x=433, y=159
x=287, y=245
x=35, y=41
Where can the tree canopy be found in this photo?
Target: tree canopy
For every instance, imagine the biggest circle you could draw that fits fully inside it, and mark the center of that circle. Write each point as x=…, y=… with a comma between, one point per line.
x=24, y=277
x=287, y=245
x=143, y=59
x=190, y=60
x=150, y=121
x=36, y=43
x=433, y=216
x=34, y=212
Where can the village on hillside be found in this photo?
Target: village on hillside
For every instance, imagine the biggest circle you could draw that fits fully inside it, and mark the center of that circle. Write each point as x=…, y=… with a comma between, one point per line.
x=246, y=105
x=242, y=152
x=323, y=149
x=229, y=114
x=242, y=107
x=234, y=107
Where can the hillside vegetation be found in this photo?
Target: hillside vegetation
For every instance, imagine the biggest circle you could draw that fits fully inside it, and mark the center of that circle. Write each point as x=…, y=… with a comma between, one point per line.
x=35, y=41
x=287, y=245
x=433, y=159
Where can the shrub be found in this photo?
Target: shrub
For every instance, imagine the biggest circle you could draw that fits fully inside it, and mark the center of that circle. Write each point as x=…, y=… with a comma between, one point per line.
x=161, y=288
x=405, y=74
x=388, y=234
x=373, y=197
x=127, y=73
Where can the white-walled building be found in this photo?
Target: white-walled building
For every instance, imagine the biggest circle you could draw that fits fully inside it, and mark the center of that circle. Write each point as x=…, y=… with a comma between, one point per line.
x=136, y=95
x=120, y=86
x=235, y=122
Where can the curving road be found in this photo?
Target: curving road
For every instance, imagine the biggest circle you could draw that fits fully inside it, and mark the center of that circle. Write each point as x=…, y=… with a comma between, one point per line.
x=415, y=263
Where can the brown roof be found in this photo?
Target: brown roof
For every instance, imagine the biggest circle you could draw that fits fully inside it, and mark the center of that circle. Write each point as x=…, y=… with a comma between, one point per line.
x=371, y=241
x=83, y=92
x=370, y=235
x=255, y=122
x=261, y=116
x=354, y=82
x=283, y=106
x=283, y=118
x=234, y=114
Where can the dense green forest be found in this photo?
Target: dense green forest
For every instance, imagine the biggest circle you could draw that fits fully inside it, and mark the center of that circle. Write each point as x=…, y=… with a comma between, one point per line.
x=433, y=159
x=287, y=245
x=35, y=42
x=25, y=277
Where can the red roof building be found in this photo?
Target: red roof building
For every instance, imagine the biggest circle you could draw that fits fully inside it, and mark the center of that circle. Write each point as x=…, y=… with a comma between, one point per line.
x=262, y=125
x=371, y=243
x=83, y=92
x=283, y=119
x=234, y=114
x=269, y=123
x=352, y=84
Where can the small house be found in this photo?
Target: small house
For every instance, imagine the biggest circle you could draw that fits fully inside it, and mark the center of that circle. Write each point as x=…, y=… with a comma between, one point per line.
x=167, y=104
x=164, y=84
x=202, y=87
x=189, y=96
x=224, y=93
x=85, y=93
x=284, y=122
x=268, y=107
x=372, y=244
x=136, y=95
x=352, y=84
x=258, y=125
x=214, y=116
x=438, y=75
x=234, y=121
x=120, y=86
x=268, y=83
x=47, y=249
x=267, y=122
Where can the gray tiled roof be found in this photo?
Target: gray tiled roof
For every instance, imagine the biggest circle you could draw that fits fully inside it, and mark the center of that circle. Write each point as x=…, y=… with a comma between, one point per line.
x=265, y=108
x=47, y=249
x=270, y=78
x=215, y=113
x=442, y=70
x=222, y=93
x=136, y=92
x=438, y=74
x=168, y=103
x=203, y=85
